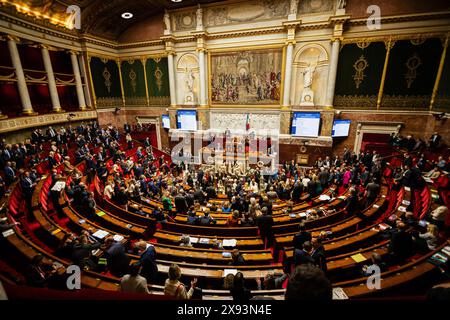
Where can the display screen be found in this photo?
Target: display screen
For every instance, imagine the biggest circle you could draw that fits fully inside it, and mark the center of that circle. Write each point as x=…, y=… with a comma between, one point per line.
x=305, y=124
x=340, y=128
x=187, y=120
x=166, y=121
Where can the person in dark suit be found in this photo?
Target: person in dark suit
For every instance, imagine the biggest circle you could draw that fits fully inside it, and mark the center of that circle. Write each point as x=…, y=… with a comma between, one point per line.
x=27, y=186
x=148, y=261
x=308, y=283
x=127, y=128
x=82, y=252
x=372, y=191
x=318, y=254
x=265, y=223
x=180, y=202
x=297, y=192
x=10, y=174
x=117, y=259
x=237, y=259
x=434, y=141
x=239, y=291
x=301, y=237
x=39, y=272
x=206, y=219
x=352, y=205
x=402, y=244
x=303, y=256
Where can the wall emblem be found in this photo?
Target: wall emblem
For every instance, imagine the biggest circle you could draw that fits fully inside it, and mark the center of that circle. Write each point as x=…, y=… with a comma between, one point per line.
x=360, y=65
x=107, y=77
x=412, y=64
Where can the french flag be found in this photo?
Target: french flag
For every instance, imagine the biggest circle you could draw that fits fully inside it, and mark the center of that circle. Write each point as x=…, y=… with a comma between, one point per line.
x=247, y=122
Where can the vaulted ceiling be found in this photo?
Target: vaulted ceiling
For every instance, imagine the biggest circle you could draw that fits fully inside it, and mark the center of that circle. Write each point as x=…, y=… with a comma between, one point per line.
x=102, y=18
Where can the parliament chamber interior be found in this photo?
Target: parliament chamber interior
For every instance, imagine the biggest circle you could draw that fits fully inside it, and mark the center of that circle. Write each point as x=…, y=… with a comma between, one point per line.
x=224, y=150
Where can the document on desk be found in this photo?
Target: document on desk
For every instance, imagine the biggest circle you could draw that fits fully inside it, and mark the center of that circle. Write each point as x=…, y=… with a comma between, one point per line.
x=229, y=242
x=193, y=239
x=204, y=240
x=7, y=233
x=229, y=271
x=118, y=238
x=406, y=202
x=339, y=294
x=402, y=209
x=100, y=234
x=358, y=257
x=60, y=185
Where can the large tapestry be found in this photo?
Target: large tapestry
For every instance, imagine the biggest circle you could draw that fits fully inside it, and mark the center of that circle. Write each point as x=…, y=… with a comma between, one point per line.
x=246, y=77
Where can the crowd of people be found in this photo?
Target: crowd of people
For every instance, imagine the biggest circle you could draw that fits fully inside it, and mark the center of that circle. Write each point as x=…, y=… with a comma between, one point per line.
x=186, y=190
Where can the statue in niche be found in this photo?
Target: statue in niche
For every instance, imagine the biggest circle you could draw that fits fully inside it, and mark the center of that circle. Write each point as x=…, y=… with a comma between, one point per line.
x=190, y=96
x=308, y=75
x=293, y=7
x=199, y=17
x=167, y=22
x=342, y=4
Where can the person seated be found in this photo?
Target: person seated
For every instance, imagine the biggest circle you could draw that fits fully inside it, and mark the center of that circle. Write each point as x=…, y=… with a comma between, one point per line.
x=192, y=218
x=174, y=288
x=377, y=261
x=206, y=219
x=133, y=281
x=82, y=252
x=115, y=254
x=247, y=221
x=439, y=216
x=185, y=241
x=237, y=259
x=39, y=272
x=234, y=219
x=226, y=208
x=272, y=281
x=308, y=283
x=239, y=291
x=428, y=240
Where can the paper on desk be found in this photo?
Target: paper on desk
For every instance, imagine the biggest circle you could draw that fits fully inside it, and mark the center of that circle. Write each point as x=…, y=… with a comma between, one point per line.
x=193, y=239
x=324, y=197
x=406, y=202
x=302, y=214
x=118, y=238
x=60, y=185
x=100, y=234
x=408, y=189
x=7, y=233
x=204, y=240
x=226, y=254
x=376, y=206
x=402, y=209
x=358, y=257
x=229, y=271
x=100, y=213
x=339, y=294
x=229, y=242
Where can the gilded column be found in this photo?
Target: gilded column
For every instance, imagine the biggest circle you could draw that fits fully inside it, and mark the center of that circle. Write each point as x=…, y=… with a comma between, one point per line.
x=51, y=80
x=389, y=45
x=27, y=108
x=144, y=60
x=439, y=73
x=122, y=92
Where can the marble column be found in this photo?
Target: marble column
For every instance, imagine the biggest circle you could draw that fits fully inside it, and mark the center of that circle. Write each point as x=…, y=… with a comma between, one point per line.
x=78, y=83
x=51, y=80
x=173, y=98
x=287, y=75
x=27, y=108
x=332, y=72
x=201, y=58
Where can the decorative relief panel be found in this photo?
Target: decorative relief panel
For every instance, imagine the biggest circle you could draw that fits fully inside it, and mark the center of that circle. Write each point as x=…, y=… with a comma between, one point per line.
x=237, y=121
x=36, y=121
x=315, y=6
x=246, y=12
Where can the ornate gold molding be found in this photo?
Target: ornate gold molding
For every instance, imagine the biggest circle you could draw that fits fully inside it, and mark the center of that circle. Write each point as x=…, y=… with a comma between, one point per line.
x=389, y=45
x=440, y=69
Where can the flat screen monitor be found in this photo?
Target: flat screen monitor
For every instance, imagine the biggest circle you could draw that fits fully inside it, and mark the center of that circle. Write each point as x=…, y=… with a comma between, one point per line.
x=305, y=124
x=165, y=121
x=340, y=128
x=187, y=120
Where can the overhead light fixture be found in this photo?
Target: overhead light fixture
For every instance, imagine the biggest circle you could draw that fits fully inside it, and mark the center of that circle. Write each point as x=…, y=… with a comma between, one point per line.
x=177, y=0
x=127, y=15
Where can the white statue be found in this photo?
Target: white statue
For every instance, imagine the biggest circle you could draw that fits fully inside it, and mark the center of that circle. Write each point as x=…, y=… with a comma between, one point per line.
x=190, y=80
x=293, y=7
x=167, y=22
x=308, y=75
x=199, y=17
x=342, y=4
